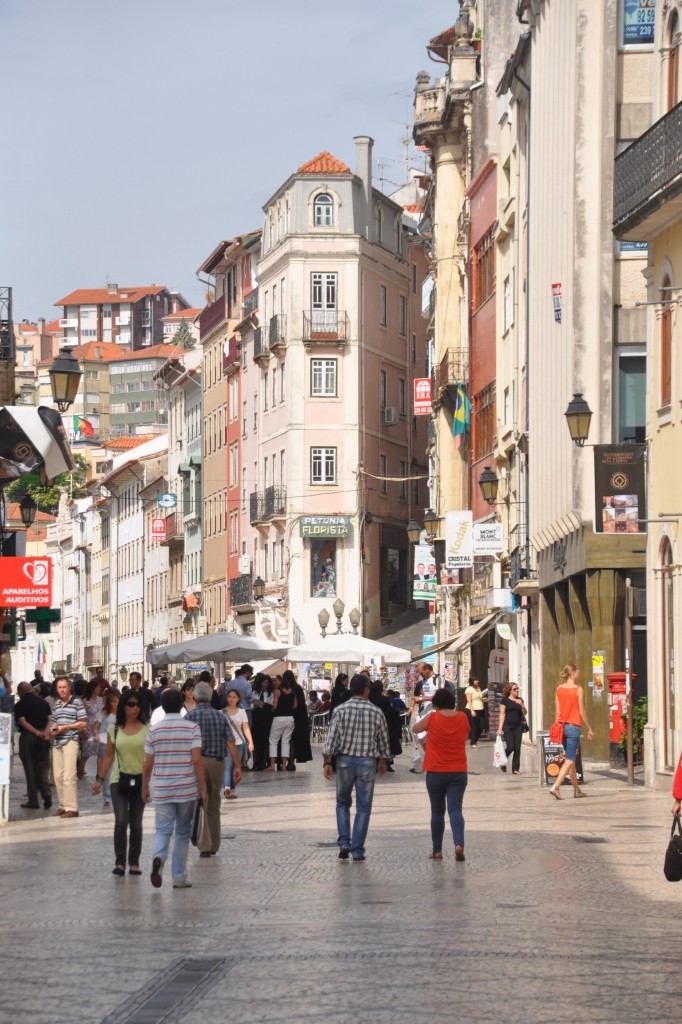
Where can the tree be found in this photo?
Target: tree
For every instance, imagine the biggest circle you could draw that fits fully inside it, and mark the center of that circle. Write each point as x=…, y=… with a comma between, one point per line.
x=183, y=336
x=47, y=498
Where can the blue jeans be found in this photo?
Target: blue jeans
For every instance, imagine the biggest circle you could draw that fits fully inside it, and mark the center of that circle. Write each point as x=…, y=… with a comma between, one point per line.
x=179, y=817
x=358, y=772
x=447, y=787
x=229, y=765
x=571, y=741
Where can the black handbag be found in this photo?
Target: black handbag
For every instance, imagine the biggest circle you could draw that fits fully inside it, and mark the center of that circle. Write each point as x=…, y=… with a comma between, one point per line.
x=126, y=783
x=197, y=823
x=672, y=867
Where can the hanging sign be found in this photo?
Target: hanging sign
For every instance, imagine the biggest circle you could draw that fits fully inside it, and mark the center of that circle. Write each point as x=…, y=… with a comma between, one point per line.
x=619, y=488
x=424, y=580
x=422, y=396
x=158, y=528
x=26, y=583
x=166, y=500
x=459, y=541
x=556, y=301
x=488, y=539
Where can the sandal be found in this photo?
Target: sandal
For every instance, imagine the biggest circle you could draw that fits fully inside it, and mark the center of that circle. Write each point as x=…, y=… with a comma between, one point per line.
x=226, y=792
x=577, y=792
x=436, y=855
x=555, y=793
x=134, y=870
x=119, y=871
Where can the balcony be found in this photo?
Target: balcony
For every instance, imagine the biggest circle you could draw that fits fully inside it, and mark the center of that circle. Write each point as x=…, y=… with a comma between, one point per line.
x=174, y=530
x=326, y=327
x=240, y=592
x=268, y=505
x=255, y=513
x=251, y=302
x=648, y=180
x=68, y=322
x=123, y=320
x=211, y=317
x=261, y=349
x=447, y=375
x=231, y=354
x=92, y=656
x=277, y=332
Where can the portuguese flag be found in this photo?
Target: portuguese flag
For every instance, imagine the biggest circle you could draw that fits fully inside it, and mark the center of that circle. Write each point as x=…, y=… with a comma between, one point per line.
x=83, y=427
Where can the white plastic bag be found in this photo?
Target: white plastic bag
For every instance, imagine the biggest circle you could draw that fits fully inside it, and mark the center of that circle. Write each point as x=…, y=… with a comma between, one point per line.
x=499, y=753
x=417, y=757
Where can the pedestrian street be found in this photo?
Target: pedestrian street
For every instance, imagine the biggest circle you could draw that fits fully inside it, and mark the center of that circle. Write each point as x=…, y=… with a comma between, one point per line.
x=560, y=913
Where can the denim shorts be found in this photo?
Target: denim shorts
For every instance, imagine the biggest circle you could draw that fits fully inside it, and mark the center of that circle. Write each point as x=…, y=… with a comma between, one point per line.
x=571, y=741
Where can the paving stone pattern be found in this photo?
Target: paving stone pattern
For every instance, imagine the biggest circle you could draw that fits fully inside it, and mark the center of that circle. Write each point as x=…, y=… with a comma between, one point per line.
x=560, y=914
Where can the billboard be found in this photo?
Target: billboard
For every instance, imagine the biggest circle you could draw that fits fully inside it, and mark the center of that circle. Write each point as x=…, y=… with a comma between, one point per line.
x=459, y=540
x=26, y=583
x=619, y=489
x=424, y=580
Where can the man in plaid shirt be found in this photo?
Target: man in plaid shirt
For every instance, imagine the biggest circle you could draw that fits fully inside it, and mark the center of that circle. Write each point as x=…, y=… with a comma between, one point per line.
x=358, y=737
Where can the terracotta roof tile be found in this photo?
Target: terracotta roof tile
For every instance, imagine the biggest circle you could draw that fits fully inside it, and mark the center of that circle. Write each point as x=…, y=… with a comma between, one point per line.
x=99, y=296
x=153, y=352
x=127, y=441
x=183, y=314
x=14, y=514
x=324, y=163
x=53, y=327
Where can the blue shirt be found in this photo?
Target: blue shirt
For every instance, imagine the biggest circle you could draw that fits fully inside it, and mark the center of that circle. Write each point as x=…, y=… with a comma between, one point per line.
x=242, y=684
x=215, y=729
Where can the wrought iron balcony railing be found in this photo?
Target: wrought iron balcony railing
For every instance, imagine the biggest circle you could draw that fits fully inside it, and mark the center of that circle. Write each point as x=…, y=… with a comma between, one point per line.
x=261, y=349
x=447, y=375
x=211, y=317
x=240, y=591
x=255, y=508
x=277, y=330
x=326, y=326
x=275, y=502
x=646, y=168
x=92, y=656
x=251, y=302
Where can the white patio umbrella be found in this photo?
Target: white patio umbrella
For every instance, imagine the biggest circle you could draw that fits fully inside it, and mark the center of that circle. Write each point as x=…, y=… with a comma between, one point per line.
x=216, y=647
x=348, y=648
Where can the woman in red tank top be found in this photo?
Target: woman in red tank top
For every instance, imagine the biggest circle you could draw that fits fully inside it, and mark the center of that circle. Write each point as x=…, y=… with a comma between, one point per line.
x=570, y=711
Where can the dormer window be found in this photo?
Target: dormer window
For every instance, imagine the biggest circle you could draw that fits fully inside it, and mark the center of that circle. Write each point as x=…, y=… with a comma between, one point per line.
x=323, y=211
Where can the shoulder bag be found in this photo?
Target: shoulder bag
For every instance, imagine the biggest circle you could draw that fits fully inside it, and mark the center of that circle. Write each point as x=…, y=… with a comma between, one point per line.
x=127, y=783
x=672, y=866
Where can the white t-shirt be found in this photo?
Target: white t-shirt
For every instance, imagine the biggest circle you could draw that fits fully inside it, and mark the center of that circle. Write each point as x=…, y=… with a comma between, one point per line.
x=158, y=715
x=430, y=686
x=237, y=721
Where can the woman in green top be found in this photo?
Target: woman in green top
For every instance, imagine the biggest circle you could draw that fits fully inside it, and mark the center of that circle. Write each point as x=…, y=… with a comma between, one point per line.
x=125, y=750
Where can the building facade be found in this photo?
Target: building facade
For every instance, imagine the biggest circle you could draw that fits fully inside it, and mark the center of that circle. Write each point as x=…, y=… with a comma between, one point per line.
x=133, y=316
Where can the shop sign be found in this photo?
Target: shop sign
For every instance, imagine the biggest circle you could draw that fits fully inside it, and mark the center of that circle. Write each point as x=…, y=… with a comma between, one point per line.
x=324, y=526
x=619, y=489
x=422, y=396
x=158, y=531
x=459, y=541
x=488, y=538
x=26, y=582
x=166, y=500
x=639, y=21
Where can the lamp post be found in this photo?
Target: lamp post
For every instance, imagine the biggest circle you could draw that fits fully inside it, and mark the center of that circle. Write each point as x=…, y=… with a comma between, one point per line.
x=65, y=378
x=323, y=618
x=578, y=416
x=488, y=483
x=354, y=619
x=431, y=524
x=338, y=607
x=28, y=509
x=258, y=588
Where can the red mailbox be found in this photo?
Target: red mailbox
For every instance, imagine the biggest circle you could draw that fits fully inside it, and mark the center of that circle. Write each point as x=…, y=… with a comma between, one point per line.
x=617, y=704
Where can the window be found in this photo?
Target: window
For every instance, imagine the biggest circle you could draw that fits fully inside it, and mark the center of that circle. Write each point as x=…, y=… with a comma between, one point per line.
x=243, y=488
x=281, y=559
x=282, y=456
x=323, y=378
x=383, y=472
x=414, y=348
x=484, y=423
x=506, y=413
x=673, y=61
x=234, y=464
x=281, y=383
x=323, y=216
x=666, y=343
x=323, y=298
x=383, y=388
x=483, y=270
x=323, y=568
x=401, y=396
x=402, y=492
x=244, y=418
x=383, y=304
x=274, y=559
x=255, y=412
x=379, y=219
x=274, y=386
x=631, y=424
x=265, y=391
x=506, y=305
x=323, y=465
x=414, y=278
x=638, y=22
x=265, y=561
x=402, y=314
x=265, y=473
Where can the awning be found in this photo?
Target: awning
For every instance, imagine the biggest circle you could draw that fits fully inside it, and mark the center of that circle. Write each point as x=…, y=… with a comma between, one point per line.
x=465, y=637
x=195, y=460
x=184, y=468
x=189, y=601
x=32, y=441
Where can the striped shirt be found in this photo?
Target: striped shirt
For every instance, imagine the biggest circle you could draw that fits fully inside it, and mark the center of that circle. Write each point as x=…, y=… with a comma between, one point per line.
x=171, y=743
x=67, y=714
x=358, y=729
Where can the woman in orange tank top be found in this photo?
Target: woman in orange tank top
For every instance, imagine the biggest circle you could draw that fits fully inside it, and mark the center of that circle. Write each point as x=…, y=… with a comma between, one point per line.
x=570, y=711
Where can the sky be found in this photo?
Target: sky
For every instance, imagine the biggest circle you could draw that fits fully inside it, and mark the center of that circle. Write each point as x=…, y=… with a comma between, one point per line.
x=137, y=134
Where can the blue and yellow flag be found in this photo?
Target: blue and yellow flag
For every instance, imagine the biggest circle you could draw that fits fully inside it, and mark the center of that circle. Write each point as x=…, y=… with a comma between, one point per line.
x=462, y=415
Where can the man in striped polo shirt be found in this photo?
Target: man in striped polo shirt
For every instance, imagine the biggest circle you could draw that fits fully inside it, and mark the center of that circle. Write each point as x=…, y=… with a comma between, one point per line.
x=68, y=718
x=174, y=767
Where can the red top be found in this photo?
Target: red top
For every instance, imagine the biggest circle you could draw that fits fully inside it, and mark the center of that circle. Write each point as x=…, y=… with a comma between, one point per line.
x=677, y=781
x=569, y=711
x=445, y=739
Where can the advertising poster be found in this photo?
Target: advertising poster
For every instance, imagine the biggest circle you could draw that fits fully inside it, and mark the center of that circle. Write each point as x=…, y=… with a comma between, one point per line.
x=158, y=528
x=5, y=748
x=422, y=396
x=598, y=674
x=638, y=22
x=424, y=581
x=459, y=541
x=428, y=640
x=619, y=494
x=553, y=758
x=488, y=538
x=26, y=583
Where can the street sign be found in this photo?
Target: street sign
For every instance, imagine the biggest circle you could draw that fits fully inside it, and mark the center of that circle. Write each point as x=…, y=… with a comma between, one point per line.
x=422, y=396
x=166, y=500
x=158, y=528
x=26, y=582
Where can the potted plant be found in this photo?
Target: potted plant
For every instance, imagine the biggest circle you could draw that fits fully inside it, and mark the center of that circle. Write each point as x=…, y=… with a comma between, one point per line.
x=640, y=717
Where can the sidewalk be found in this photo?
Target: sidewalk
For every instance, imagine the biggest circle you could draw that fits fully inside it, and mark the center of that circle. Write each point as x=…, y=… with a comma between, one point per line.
x=560, y=914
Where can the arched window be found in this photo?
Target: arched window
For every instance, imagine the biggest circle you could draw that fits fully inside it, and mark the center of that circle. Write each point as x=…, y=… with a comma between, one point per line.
x=673, y=61
x=323, y=211
x=666, y=342
x=667, y=638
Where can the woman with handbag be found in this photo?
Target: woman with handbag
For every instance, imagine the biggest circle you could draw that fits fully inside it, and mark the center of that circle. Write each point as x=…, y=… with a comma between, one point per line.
x=570, y=712
x=239, y=724
x=512, y=719
x=125, y=751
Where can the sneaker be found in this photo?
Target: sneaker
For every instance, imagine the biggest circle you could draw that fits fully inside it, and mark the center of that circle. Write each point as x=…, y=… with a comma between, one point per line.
x=157, y=868
x=358, y=860
x=344, y=853
x=459, y=853
x=182, y=883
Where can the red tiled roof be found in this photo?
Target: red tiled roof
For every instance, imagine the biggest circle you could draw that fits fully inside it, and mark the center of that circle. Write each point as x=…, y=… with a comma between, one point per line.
x=26, y=328
x=413, y=207
x=53, y=327
x=153, y=352
x=183, y=314
x=102, y=296
x=127, y=442
x=93, y=352
x=324, y=163
x=14, y=514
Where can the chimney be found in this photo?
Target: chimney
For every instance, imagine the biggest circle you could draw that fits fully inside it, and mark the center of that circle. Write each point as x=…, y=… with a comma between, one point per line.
x=112, y=289
x=363, y=169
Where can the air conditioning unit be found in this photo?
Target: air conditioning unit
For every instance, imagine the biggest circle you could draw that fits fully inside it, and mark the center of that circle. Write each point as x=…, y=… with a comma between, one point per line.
x=390, y=415
x=244, y=565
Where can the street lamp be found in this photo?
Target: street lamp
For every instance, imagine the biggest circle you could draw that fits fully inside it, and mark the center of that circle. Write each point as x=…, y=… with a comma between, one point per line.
x=338, y=607
x=28, y=510
x=258, y=588
x=578, y=416
x=187, y=623
x=431, y=522
x=488, y=483
x=323, y=618
x=123, y=673
x=414, y=531
x=65, y=378
x=354, y=619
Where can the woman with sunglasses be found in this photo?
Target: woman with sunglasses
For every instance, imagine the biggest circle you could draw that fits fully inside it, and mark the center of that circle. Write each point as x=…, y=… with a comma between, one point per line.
x=125, y=751
x=512, y=721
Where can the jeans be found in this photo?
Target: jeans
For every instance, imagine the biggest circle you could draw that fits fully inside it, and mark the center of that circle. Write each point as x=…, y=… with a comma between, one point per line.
x=176, y=816
x=447, y=787
x=229, y=765
x=571, y=741
x=512, y=740
x=35, y=757
x=128, y=811
x=106, y=790
x=358, y=772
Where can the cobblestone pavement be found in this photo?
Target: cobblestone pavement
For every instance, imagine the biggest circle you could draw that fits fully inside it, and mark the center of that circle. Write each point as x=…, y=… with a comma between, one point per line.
x=560, y=914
